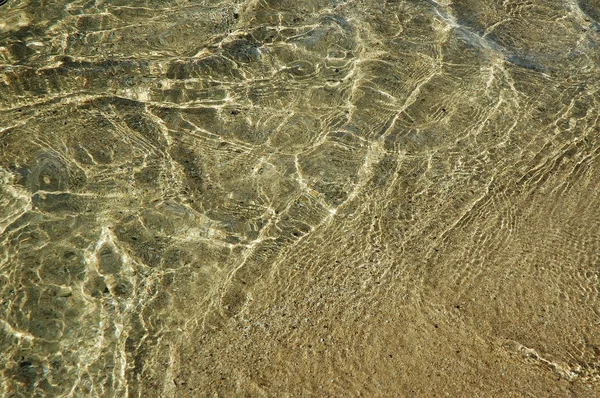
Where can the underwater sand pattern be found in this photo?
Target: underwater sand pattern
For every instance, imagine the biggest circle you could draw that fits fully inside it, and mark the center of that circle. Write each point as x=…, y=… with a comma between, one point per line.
x=300, y=198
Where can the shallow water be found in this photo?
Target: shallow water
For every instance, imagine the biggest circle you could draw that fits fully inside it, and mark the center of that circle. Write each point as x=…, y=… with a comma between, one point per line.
x=300, y=198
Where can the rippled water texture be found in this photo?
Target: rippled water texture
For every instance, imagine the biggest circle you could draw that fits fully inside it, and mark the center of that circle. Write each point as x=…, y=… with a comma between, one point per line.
x=284, y=198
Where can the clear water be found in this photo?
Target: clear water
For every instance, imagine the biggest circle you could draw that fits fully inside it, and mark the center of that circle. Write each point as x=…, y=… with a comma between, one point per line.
x=300, y=198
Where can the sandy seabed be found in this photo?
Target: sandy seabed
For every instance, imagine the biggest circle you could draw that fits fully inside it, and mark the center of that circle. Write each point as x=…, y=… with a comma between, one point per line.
x=300, y=198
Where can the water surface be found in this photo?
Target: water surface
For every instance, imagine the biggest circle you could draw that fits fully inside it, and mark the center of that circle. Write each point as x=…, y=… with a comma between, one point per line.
x=300, y=198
